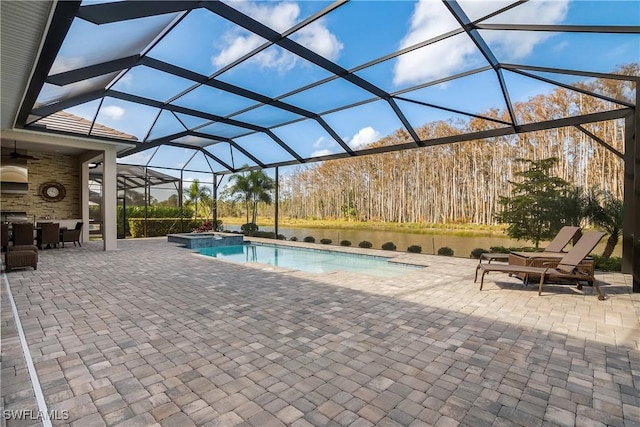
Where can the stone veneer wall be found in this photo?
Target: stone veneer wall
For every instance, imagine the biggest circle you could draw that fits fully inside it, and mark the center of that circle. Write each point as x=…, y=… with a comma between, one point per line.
x=64, y=169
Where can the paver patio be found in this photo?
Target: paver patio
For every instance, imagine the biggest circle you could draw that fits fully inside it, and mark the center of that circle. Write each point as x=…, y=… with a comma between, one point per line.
x=153, y=334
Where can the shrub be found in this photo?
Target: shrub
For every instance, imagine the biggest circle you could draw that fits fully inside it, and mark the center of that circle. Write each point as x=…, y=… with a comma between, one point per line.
x=365, y=244
x=446, y=251
x=414, y=249
x=309, y=239
x=153, y=211
x=610, y=264
x=293, y=239
x=160, y=226
x=249, y=228
x=205, y=227
x=389, y=246
x=477, y=252
x=345, y=243
x=499, y=249
x=325, y=241
x=209, y=226
x=281, y=237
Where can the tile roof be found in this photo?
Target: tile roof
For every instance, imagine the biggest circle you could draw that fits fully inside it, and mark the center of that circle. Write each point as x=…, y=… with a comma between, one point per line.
x=67, y=122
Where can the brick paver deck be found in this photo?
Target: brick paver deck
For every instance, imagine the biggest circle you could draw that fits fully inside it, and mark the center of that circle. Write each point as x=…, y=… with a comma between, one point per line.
x=153, y=334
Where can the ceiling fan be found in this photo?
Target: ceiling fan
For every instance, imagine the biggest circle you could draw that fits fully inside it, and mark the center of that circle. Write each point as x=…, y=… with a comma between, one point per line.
x=15, y=155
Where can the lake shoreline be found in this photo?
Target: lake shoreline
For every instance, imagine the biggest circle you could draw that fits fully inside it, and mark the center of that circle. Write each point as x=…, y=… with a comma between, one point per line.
x=461, y=238
x=462, y=230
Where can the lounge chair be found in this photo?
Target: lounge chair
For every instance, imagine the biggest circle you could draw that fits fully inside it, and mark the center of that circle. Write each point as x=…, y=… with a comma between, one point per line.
x=562, y=239
x=566, y=268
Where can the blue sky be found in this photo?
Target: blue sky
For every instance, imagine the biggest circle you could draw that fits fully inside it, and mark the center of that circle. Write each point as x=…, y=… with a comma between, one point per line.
x=352, y=35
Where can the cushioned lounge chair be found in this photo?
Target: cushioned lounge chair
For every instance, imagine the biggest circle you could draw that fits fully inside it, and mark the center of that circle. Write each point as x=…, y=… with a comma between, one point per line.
x=566, y=268
x=562, y=239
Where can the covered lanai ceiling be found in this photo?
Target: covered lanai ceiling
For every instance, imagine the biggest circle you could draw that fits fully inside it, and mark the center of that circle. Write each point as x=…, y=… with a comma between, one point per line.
x=262, y=84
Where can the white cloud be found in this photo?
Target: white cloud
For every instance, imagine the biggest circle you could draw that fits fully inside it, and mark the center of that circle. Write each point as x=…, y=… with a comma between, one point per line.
x=126, y=81
x=318, y=38
x=237, y=45
x=323, y=152
x=438, y=60
x=192, y=139
x=448, y=57
x=319, y=142
x=519, y=44
x=363, y=137
x=112, y=112
x=280, y=17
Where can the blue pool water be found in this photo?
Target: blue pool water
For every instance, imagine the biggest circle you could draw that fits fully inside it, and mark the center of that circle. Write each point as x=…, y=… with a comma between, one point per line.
x=313, y=261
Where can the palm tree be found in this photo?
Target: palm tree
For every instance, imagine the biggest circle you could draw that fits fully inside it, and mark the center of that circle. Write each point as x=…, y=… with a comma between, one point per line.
x=206, y=203
x=574, y=205
x=253, y=188
x=194, y=194
x=606, y=212
x=242, y=187
x=261, y=185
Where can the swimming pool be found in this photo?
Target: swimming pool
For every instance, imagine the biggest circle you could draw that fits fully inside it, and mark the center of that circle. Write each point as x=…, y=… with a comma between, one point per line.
x=310, y=260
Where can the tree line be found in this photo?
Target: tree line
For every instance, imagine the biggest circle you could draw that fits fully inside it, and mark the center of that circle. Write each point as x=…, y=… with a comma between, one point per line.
x=463, y=182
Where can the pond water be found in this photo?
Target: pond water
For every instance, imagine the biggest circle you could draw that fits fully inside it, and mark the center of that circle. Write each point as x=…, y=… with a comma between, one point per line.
x=461, y=245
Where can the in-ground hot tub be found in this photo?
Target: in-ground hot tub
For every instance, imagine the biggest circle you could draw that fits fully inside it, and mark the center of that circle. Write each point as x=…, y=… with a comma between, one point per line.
x=206, y=240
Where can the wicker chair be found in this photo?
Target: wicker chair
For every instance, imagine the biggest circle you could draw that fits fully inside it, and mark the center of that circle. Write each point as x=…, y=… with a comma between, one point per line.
x=72, y=235
x=21, y=256
x=22, y=234
x=4, y=236
x=49, y=234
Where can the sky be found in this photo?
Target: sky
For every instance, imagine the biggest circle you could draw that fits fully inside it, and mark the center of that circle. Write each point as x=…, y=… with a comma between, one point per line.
x=350, y=36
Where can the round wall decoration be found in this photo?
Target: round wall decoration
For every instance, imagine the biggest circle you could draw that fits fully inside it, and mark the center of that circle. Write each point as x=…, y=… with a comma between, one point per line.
x=52, y=191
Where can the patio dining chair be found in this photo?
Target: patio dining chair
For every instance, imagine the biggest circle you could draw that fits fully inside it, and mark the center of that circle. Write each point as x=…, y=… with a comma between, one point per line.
x=566, y=268
x=49, y=234
x=72, y=235
x=22, y=234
